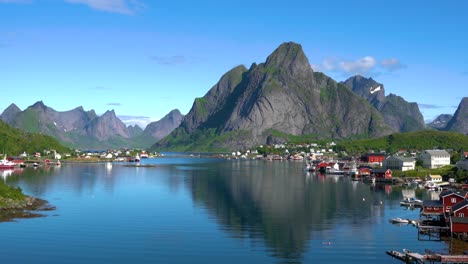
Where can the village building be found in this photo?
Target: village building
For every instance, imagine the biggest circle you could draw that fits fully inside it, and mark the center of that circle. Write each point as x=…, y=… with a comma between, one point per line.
x=399, y=163
x=375, y=158
x=434, y=178
x=459, y=217
x=450, y=198
x=435, y=158
x=462, y=164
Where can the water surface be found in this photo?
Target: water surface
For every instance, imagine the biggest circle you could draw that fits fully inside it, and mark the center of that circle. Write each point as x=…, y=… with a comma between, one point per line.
x=202, y=210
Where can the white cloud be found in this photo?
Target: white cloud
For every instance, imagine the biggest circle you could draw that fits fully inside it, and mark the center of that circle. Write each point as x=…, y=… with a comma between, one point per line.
x=141, y=121
x=392, y=64
x=362, y=65
x=367, y=65
x=127, y=7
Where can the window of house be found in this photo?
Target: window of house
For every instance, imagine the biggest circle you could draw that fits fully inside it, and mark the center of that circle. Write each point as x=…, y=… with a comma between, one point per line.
x=454, y=200
x=461, y=215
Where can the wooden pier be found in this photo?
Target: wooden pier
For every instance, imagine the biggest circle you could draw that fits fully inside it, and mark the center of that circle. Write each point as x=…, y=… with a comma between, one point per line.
x=413, y=257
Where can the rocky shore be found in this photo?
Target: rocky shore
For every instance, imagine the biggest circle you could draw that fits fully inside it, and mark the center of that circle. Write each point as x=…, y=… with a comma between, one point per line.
x=28, y=207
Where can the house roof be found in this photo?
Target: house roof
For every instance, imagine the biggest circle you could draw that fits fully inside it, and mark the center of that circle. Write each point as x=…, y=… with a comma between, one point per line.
x=459, y=205
x=459, y=220
x=450, y=192
x=432, y=203
x=437, y=152
x=375, y=154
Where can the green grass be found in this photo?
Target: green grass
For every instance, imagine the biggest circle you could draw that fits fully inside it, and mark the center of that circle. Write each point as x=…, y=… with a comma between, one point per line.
x=419, y=140
x=10, y=194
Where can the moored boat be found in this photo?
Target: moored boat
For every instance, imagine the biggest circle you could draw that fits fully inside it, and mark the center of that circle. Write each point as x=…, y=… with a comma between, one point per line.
x=398, y=220
x=6, y=164
x=397, y=254
x=411, y=201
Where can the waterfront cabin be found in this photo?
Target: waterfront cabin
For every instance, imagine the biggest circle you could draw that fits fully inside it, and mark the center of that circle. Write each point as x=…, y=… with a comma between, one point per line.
x=432, y=208
x=459, y=224
x=459, y=217
x=364, y=171
x=382, y=174
x=460, y=209
x=450, y=198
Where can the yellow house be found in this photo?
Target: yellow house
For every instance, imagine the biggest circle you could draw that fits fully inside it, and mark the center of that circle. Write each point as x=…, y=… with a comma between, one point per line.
x=434, y=178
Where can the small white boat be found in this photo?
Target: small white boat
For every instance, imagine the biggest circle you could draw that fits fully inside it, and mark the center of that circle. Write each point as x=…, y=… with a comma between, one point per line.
x=411, y=201
x=398, y=220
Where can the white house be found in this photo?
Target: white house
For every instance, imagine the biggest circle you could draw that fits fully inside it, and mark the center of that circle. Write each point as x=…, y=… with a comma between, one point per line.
x=399, y=163
x=435, y=158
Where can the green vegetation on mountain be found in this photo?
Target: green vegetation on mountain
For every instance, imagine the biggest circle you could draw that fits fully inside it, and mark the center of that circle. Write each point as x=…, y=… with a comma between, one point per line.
x=14, y=141
x=410, y=140
x=202, y=140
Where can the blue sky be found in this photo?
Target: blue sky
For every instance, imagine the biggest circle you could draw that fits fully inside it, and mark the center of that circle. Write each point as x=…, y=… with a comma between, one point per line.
x=144, y=58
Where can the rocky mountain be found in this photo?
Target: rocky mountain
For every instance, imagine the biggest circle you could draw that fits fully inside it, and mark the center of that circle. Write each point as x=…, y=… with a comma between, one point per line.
x=106, y=126
x=74, y=128
x=271, y=101
x=134, y=130
x=399, y=114
x=440, y=122
x=160, y=129
x=371, y=90
x=10, y=113
x=459, y=121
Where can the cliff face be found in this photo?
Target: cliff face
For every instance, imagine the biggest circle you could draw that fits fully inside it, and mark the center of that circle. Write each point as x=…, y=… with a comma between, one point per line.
x=399, y=114
x=459, y=121
x=283, y=94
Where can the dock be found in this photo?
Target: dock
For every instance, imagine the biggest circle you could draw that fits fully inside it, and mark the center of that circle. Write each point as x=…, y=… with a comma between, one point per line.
x=413, y=257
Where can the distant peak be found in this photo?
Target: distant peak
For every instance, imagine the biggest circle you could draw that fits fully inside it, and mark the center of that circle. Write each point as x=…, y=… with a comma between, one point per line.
x=175, y=112
x=38, y=104
x=13, y=107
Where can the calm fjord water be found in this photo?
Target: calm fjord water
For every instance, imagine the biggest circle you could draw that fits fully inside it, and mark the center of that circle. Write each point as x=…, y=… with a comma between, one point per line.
x=201, y=210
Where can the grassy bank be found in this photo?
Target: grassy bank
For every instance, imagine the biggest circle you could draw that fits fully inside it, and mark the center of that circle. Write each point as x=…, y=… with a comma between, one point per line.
x=14, y=204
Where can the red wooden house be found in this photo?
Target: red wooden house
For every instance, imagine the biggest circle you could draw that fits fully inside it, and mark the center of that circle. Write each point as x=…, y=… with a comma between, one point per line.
x=382, y=173
x=432, y=207
x=450, y=198
x=459, y=218
x=373, y=158
x=460, y=209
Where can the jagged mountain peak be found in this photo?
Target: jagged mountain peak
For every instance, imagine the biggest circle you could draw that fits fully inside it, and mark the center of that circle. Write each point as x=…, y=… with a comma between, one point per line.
x=39, y=105
x=284, y=95
x=10, y=113
x=289, y=56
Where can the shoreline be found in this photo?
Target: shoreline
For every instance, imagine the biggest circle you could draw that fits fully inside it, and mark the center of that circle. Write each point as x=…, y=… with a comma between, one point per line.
x=30, y=207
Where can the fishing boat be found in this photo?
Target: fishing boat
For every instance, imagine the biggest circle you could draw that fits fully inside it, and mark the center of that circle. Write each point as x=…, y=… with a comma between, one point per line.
x=411, y=201
x=398, y=220
x=6, y=164
x=396, y=254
